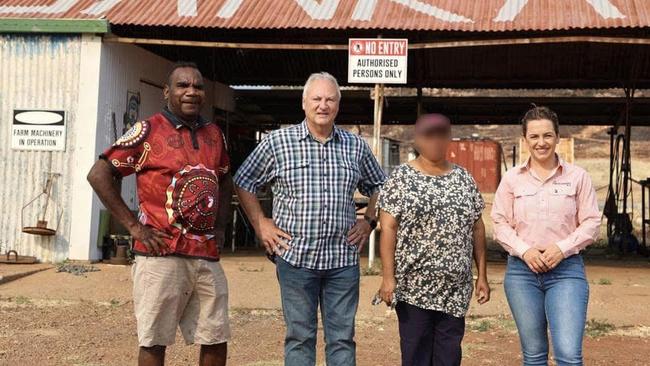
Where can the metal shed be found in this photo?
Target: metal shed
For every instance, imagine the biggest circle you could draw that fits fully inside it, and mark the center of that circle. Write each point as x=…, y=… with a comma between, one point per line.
x=499, y=44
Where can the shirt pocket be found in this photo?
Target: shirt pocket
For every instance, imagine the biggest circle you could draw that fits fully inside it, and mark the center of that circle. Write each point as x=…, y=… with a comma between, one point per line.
x=348, y=174
x=562, y=202
x=295, y=177
x=525, y=204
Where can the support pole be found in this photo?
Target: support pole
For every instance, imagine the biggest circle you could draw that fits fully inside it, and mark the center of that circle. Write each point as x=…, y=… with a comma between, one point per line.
x=627, y=161
x=376, y=131
x=645, y=219
x=372, y=244
x=419, y=102
x=234, y=228
x=377, y=151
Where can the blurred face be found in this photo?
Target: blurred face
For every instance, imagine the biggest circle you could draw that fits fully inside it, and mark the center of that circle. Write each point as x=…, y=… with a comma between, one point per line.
x=321, y=103
x=185, y=93
x=433, y=144
x=541, y=139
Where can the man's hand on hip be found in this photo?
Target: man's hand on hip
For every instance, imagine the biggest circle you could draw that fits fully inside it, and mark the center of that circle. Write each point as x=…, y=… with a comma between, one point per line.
x=273, y=239
x=152, y=238
x=359, y=233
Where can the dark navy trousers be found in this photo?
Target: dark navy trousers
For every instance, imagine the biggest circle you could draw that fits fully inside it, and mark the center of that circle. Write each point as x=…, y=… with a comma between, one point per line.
x=428, y=337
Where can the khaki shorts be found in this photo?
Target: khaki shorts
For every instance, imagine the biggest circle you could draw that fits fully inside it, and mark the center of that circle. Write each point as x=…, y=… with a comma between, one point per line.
x=171, y=292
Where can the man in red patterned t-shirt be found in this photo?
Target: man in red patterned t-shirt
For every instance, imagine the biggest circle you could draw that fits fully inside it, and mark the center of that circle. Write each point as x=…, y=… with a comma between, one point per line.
x=184, y=188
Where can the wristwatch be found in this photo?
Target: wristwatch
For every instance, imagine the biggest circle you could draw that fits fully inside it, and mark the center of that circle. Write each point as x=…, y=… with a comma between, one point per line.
x=371, y=221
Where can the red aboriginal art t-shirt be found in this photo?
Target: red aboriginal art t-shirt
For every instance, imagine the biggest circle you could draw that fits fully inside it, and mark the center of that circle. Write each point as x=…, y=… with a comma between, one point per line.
x=177, y=171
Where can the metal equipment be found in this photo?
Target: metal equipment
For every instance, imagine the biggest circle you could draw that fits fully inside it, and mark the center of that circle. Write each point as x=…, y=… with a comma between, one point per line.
x=17, y=259
x=47, y=203
x=645, y=215
x=620, y=231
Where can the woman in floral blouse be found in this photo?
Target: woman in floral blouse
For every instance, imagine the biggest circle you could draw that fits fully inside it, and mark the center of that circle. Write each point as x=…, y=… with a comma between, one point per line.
x=431, y=226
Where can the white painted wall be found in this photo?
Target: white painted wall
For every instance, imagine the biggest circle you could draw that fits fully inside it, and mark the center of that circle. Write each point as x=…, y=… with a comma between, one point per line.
x=84, y=207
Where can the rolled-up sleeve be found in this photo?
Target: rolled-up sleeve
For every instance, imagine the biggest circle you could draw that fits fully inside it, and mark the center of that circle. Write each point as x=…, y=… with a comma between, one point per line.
x=372, y=175
x=503, y=217
x=257, y=169
x=588, y=217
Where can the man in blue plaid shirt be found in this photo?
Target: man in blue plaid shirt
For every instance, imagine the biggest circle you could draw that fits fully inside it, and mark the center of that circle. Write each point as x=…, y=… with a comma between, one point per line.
x=314, y=168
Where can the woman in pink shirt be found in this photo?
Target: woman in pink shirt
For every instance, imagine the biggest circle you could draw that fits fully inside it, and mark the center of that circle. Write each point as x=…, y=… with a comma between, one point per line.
x=545, y=212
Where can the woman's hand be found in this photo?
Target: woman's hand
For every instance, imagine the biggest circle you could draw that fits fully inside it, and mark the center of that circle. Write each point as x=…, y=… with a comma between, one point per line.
x=552, y=256
x=535, y=261
x=387, y=289
x=482, y=290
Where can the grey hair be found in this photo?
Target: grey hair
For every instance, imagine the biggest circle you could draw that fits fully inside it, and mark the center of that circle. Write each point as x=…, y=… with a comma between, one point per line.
x=321, y=76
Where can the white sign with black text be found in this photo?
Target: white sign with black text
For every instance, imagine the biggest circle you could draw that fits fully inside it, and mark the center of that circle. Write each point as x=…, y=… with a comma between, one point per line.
x=38, y=130
x=377, y=60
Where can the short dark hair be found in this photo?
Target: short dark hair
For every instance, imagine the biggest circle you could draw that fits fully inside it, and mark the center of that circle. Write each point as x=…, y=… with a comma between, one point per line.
x=181, y=65
x=537, y=113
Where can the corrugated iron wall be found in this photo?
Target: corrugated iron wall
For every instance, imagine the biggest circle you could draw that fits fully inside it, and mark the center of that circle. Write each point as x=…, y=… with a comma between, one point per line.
x=36, y=72
x=462, y=15
x=482, y=158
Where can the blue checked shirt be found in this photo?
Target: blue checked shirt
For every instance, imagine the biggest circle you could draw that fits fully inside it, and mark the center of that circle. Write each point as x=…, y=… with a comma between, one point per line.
x=313, y=185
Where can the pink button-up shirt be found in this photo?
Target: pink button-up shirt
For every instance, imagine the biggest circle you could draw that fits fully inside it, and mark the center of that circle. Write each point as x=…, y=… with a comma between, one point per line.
x=529, y=212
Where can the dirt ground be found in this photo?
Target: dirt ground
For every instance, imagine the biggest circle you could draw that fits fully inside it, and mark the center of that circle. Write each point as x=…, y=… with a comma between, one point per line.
x=51, y=318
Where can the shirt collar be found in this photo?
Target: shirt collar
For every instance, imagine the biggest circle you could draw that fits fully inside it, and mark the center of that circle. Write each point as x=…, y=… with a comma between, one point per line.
x=562, y=165
x=178, y=123
x=303, y=132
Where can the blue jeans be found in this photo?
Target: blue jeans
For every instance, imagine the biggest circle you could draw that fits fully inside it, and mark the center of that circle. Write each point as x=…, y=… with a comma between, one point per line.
x=556, y=300
x=337, y=291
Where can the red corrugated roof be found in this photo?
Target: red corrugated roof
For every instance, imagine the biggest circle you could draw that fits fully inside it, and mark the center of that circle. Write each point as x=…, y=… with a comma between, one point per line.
x=445, y=15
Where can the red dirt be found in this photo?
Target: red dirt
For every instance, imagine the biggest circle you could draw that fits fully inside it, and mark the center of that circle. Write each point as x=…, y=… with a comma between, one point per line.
x=54, y=318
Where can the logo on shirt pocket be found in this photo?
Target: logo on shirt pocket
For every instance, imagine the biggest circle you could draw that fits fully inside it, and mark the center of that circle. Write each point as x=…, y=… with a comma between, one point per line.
x=562, y=203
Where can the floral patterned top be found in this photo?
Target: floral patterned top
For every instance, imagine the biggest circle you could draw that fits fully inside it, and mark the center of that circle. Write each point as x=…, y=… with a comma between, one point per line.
x=433, y=255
